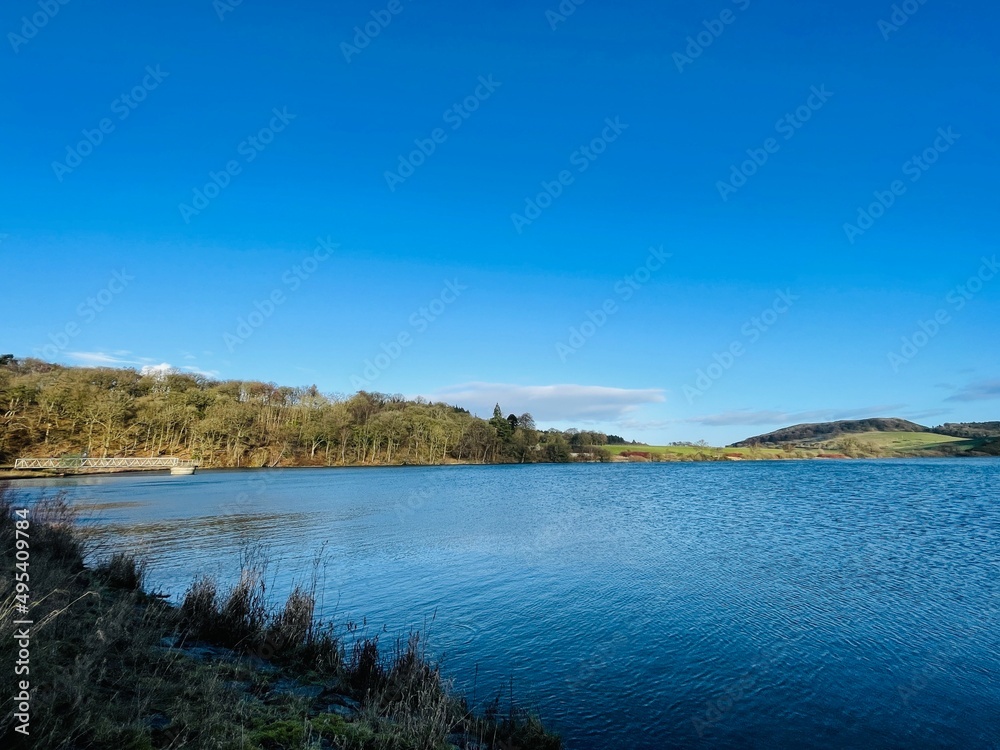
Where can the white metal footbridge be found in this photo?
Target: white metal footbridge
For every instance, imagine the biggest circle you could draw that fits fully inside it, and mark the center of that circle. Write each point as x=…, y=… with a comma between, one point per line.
x=78, y=463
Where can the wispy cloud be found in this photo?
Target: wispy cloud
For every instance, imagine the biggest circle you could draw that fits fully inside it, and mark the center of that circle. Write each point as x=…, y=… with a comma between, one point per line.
x=916, y=415
x=125, y=358
x=198, y=371
x=775, y=417
x=982, y=390
x=552, y=403
x=102, y=358
x=647, y=424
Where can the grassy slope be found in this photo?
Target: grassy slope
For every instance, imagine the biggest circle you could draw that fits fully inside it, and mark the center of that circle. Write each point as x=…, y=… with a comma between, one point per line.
x=861, y=444
x=906, y=442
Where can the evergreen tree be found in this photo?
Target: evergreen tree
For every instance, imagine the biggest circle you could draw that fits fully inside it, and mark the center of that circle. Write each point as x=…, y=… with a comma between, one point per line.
x=504, y=429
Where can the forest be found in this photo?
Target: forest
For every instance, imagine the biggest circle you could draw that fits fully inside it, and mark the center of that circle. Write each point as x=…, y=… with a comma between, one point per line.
x=51, y=410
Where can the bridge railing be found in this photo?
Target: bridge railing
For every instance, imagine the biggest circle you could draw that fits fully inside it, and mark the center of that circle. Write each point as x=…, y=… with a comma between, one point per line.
x=77, y=462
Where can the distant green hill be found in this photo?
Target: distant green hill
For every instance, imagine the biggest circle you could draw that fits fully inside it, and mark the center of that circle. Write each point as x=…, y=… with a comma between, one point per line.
x=863, y=438
x=801, y=434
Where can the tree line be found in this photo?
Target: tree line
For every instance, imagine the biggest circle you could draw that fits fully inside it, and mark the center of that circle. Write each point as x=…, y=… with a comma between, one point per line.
x=51, y=410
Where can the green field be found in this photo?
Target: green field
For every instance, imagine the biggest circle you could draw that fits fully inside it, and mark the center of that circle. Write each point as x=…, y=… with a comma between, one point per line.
x=905, y=442
x=856, y=445
x=690, y=452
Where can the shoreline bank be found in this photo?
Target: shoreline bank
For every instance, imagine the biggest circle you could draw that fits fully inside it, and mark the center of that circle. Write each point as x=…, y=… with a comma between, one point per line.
x=115, y=666
x=18, y=474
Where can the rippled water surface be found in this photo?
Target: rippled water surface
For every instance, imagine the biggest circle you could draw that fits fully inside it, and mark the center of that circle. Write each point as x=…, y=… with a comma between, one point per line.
x=771, y=604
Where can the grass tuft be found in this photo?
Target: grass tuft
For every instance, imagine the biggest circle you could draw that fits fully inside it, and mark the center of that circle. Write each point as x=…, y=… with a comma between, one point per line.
x=122, y=571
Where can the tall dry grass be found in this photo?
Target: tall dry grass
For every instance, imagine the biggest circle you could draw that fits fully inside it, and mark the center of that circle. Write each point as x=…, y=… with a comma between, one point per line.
x=101, y=677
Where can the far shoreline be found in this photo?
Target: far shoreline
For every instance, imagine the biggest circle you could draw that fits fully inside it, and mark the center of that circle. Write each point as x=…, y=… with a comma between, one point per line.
x=12, y=475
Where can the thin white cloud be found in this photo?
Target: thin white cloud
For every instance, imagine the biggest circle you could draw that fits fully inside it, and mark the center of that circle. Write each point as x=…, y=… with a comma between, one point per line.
x=918, y=415
x=125, y=358
x=551, y=403
x=647, y=424
x=102, y=358
x=982, y=390
x=774, y=417
x=198, y=371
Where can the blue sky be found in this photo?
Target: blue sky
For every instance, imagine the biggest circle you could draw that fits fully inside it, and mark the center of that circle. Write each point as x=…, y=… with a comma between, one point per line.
x=699, y=221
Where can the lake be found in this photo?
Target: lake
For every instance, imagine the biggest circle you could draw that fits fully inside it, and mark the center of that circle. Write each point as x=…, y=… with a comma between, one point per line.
x=727, y=605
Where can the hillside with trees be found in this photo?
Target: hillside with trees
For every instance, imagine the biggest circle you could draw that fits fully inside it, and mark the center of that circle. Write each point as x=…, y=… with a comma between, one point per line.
x=51, y=410
x=969, y=429
x=871, y=438
x=805, y=433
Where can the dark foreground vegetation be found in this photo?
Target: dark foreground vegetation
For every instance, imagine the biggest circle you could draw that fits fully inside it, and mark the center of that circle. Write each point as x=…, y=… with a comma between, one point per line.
x=112, y=666
x=51, y=410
